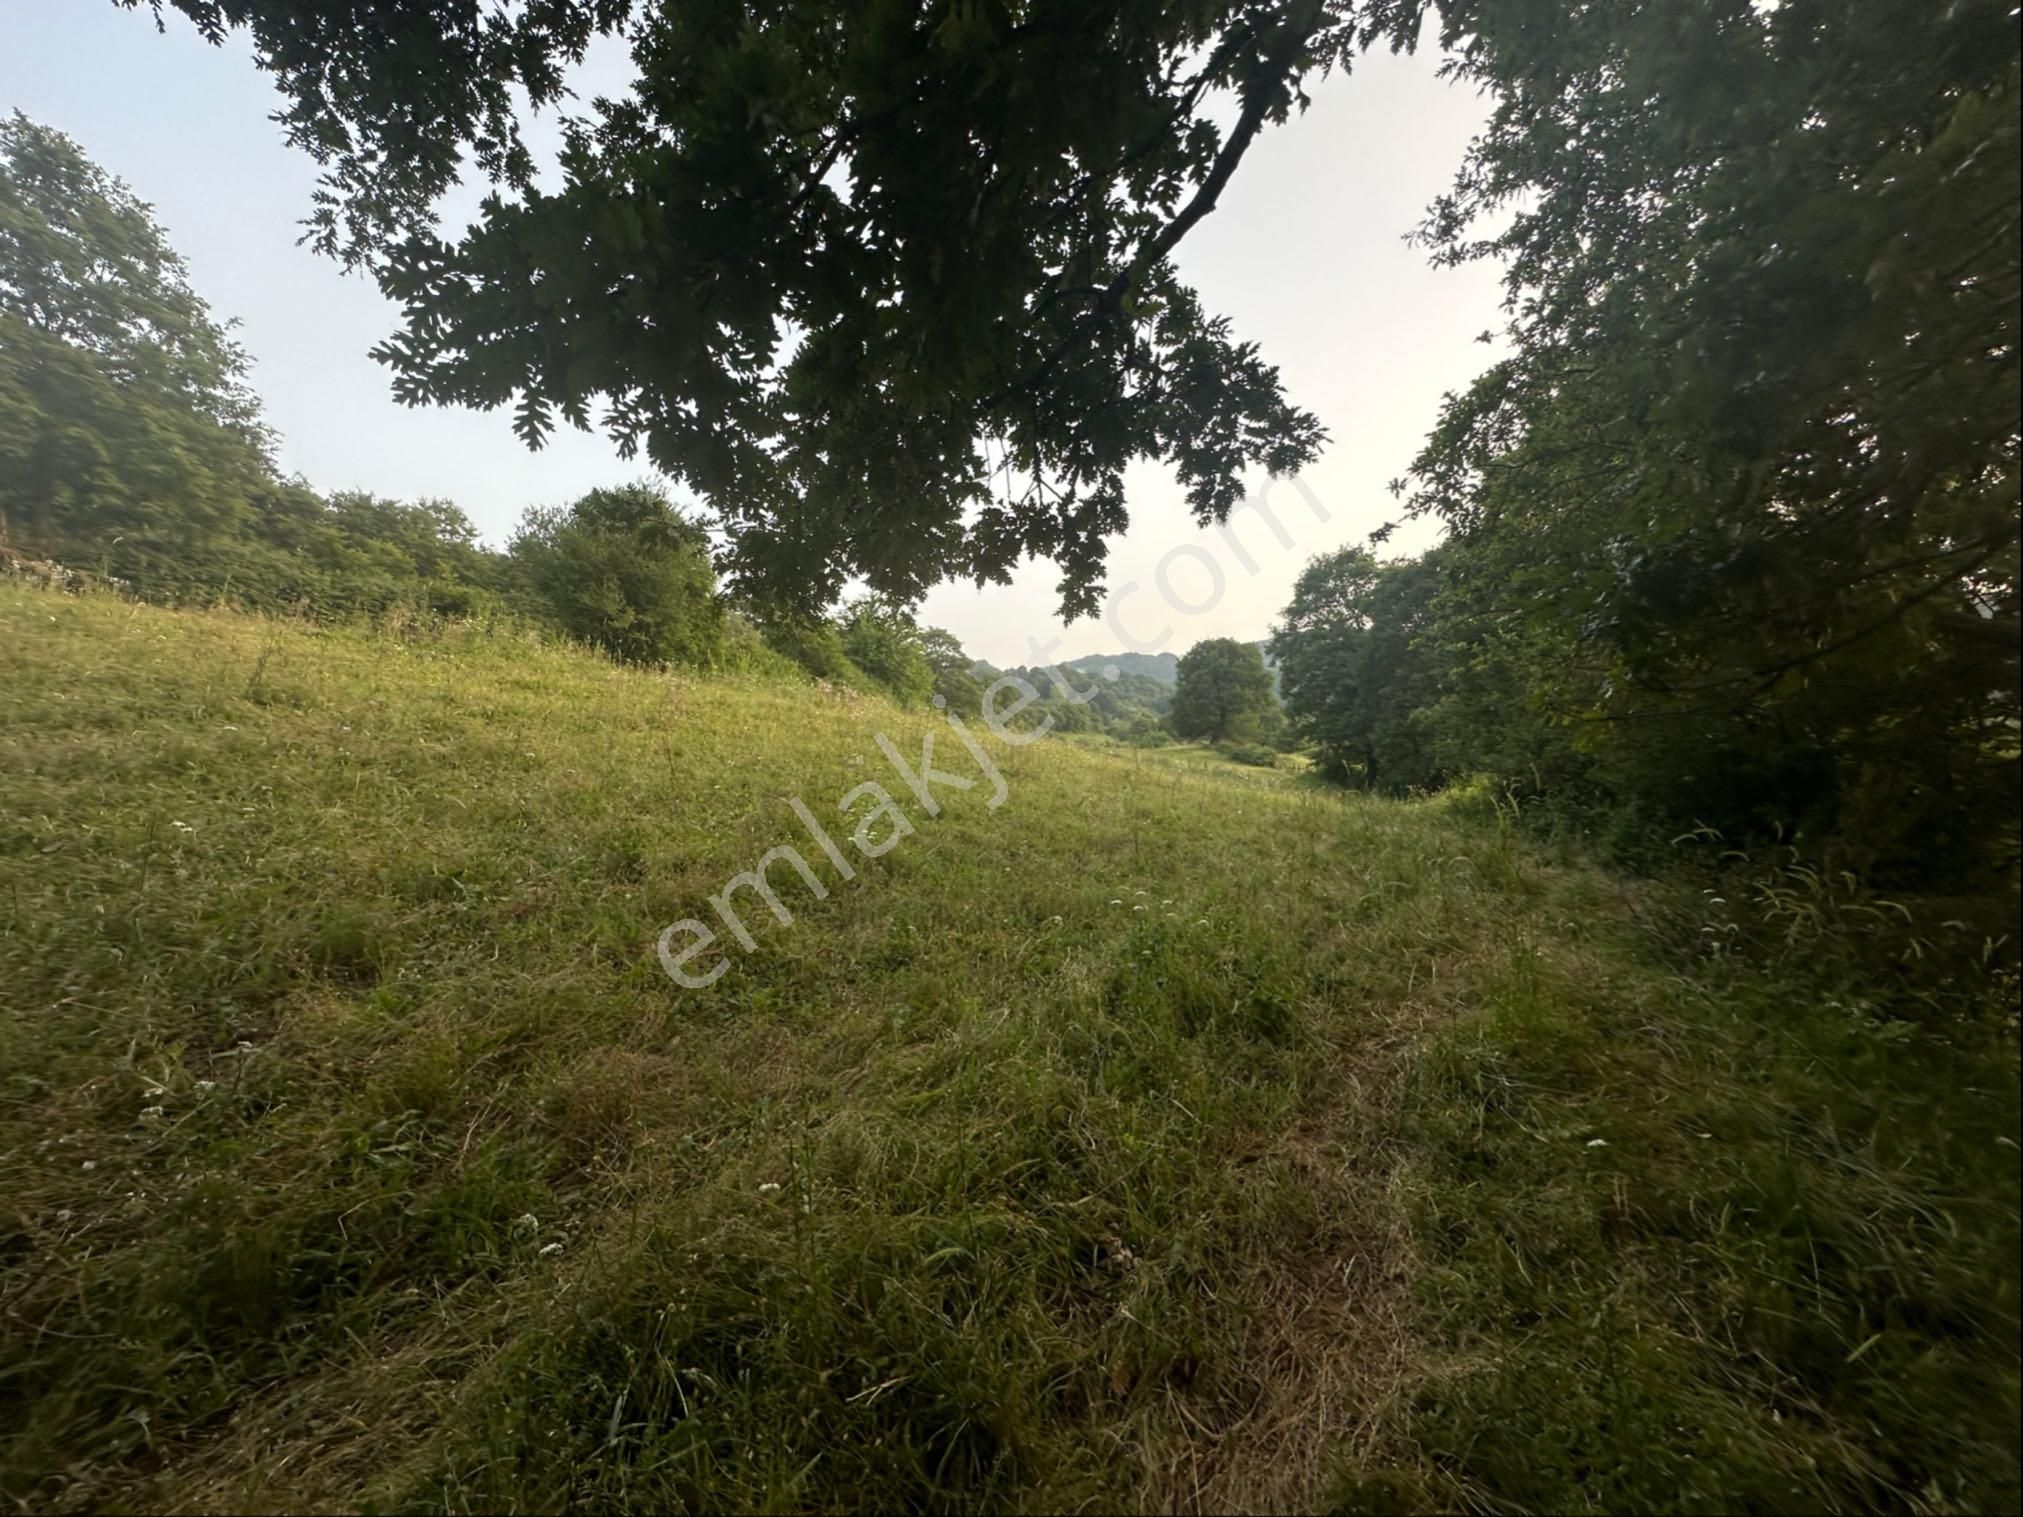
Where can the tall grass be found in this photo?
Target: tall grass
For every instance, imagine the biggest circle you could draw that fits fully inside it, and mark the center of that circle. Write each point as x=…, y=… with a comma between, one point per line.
x=1177, y=1136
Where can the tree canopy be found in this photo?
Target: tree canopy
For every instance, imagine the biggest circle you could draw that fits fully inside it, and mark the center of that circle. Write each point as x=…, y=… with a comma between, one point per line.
x=1358, y=671
x=123, y=403
x=890, y=286
x=1224, y=691
x=1733, y=531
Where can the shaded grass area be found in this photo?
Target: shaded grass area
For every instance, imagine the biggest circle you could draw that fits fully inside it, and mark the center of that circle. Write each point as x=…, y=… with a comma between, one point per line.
x=1777, y=1272
x=1176, y=1135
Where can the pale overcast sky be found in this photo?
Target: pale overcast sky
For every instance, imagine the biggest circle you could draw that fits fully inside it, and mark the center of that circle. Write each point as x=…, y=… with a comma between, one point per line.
x=1305, y=254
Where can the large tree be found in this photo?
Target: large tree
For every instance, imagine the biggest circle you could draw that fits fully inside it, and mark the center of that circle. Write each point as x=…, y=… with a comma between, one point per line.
x=891, y=285
x=1223, y=692
x=123, y=403
x=1359, y=670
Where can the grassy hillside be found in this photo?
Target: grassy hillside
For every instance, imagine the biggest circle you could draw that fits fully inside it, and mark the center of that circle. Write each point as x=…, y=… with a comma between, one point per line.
x=1174, y=1135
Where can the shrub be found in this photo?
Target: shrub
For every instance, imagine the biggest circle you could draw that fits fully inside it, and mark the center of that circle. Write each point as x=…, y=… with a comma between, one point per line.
x=817, y=647
x=1253, y=755
x=624, y=571
x=884, y=641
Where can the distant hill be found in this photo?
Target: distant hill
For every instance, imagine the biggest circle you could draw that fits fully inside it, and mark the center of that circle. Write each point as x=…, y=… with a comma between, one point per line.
x=1163, y=667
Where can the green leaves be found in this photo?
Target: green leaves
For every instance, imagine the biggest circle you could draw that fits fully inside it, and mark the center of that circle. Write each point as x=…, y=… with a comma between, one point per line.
x=1361, y=674
x=625, y=572
x=891, y=288
x=123, y=404
x=1224, y=692
x=1749, y=481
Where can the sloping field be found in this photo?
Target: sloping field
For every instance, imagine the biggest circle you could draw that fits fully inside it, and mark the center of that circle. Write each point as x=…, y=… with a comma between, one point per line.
x=1168, y=1135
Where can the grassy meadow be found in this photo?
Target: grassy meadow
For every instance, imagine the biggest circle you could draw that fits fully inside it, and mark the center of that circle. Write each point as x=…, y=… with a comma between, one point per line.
x=1177, y=1135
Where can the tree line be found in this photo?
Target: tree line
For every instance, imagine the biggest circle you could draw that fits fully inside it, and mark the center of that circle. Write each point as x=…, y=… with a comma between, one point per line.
x=132, y=450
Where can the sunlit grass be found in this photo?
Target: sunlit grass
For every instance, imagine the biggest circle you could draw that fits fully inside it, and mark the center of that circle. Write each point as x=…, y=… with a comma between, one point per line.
x=1178, y=1135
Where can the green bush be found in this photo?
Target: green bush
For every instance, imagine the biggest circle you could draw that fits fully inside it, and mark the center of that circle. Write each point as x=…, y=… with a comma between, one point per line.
x=1252, y=754
x=1145, y=731
x=884, y=641
x=625, y=572
x=816, y=647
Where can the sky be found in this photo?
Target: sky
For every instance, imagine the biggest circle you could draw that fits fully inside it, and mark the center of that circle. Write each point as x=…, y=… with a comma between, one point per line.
x=1305, y=253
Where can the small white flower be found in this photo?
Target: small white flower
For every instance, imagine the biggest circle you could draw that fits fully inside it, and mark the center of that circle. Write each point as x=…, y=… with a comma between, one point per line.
x=550, y=1248
x=1597, y=1142
x=1116, y=903
x=768, y=1187
x=182, y=826
x=91, y=1164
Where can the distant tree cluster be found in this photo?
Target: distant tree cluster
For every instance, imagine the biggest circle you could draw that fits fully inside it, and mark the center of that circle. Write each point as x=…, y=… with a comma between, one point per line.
x=131, y=445
x=1079, y=697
